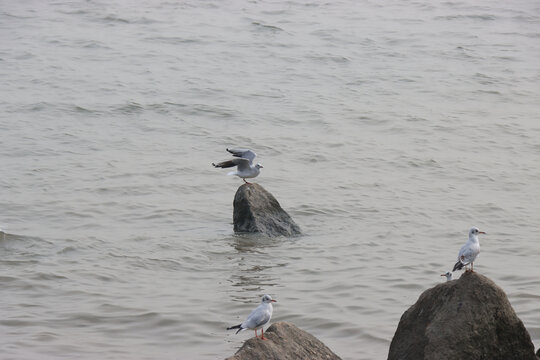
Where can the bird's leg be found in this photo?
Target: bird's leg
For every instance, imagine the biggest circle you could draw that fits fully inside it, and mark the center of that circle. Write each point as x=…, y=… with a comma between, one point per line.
x=262, y=336
x=246, y=181
x=256, y=333
x=472, y=267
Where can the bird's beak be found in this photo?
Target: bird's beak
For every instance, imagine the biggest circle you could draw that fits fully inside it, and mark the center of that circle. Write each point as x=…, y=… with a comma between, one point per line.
x=274, y=300
x=443, y=274
x=481, y=232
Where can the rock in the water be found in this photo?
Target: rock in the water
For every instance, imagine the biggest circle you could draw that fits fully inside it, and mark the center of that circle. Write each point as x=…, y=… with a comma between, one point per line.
x=285, y=342
x=470, y=318
x=258, y=211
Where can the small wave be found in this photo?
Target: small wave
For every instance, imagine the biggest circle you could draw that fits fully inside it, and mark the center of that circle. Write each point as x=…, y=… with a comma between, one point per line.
x=129, y=108
x=484, y=17
x=330, y=58
x=47, y=277
x=80, y=109
x=16, y=323
x=115, y=19
x=428, y=163
x=67, y=249
x=220, y=111
x=7, y=279
x=489, y=92
x=525, y=296
x=45, y=336
x=267, y=27
x=92, y=44
x=171, y=40
x=18, y=262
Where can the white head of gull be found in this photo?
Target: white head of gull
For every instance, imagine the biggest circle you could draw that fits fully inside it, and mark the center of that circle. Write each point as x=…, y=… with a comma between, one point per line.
x=246, y=169
x=448, y=275
x=469, y=251
x=258, y=317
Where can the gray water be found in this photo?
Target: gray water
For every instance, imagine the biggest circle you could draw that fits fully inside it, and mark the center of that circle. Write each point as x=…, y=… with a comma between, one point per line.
x=386, y=129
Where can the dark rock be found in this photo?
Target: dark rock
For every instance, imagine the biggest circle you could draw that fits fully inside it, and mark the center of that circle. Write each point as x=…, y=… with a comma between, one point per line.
x=285, y=342
x=258, y=211
x=470, y=318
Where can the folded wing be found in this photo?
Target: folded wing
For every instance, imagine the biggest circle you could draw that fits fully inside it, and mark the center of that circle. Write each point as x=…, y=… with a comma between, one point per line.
x=467, y=253
x=257, y=318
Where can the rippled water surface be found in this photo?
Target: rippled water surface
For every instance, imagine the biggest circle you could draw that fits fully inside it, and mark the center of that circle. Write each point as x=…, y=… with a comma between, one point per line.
x=386, y=129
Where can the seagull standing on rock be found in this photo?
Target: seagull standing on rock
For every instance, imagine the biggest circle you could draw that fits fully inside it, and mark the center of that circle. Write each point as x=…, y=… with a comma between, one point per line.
x=469, y=251
x=245, y=167
x=258, y=317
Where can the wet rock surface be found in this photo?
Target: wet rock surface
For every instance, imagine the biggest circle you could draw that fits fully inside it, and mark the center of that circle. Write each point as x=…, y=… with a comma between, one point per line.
x=257, y=211
x=285, y=342
x=469, y=318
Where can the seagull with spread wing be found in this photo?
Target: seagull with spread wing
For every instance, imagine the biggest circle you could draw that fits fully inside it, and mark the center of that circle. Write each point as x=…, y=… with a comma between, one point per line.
x=244, y=162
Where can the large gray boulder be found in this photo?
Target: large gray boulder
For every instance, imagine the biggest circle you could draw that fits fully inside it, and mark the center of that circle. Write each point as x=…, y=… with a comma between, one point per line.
x=470, y=318
x=285, y=342
x=258, y=211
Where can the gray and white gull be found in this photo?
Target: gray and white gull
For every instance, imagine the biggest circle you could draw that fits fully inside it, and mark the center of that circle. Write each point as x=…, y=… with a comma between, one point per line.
x=258, y=317
x=243, y=160
x=469, y=251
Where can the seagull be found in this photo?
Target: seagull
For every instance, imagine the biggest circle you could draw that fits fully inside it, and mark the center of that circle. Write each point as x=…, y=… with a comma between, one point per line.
x=246, y=169
x=469, y=251
x=258, y=317
x=448, y=275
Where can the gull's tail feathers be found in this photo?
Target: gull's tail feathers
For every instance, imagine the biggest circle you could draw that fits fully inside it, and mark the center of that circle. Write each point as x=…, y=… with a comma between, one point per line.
x=459, y=265
x=239, y=327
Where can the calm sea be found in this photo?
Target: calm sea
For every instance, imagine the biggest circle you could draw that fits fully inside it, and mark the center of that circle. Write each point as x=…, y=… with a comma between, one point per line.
x=386, y=129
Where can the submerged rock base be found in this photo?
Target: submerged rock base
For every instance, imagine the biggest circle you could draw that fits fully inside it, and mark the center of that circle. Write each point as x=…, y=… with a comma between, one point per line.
x=258, y=211
x=470, y=318
x=285, y=342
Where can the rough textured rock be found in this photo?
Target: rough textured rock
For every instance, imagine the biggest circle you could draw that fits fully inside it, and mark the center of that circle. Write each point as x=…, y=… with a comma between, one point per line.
x=258, y=211
x=470, y=318
x=285, y=342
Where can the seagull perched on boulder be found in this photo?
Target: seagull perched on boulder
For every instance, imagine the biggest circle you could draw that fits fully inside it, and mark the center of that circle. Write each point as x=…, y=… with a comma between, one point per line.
x=244, y=162
x=258, y=317
x=469, y=251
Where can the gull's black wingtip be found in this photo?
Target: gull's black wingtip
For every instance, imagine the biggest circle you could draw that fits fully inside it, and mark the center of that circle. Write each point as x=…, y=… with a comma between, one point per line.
x=458, y=266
